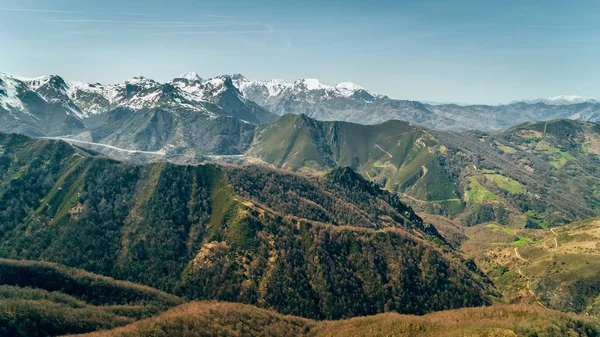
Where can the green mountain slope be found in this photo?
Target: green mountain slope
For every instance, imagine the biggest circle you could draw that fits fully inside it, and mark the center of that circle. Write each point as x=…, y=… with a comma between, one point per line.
x=325, y=247
x=397, y=155
x=536, y=174
x=544, y=174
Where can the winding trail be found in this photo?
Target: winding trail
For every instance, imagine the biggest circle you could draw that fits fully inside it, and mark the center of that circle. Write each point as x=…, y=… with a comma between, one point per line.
x=425, y=171
x=545, y=127
x=528, y=282
x=158, y=153
x=379, y=147
x=555, y=237
x=430, y=201
x=224, y=156
x=519, y=255
x=528, y=285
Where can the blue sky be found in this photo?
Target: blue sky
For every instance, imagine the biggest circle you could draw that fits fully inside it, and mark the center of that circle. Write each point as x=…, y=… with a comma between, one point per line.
x=456, y=51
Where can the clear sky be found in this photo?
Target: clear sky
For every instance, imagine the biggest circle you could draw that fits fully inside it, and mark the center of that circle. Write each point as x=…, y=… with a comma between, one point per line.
x=457, y=51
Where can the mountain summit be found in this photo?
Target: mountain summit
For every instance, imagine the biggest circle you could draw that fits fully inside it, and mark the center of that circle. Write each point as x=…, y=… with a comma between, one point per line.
x=190, y=76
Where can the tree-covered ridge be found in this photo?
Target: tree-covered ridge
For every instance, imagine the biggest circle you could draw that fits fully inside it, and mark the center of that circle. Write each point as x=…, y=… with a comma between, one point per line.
x=46, y=299
x=89, y=287
x=299, y=245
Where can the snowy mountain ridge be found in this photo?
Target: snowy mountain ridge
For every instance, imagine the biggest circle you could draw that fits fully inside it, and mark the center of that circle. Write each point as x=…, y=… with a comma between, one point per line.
x=45, y=98
x=276, y=87
x=561, y=100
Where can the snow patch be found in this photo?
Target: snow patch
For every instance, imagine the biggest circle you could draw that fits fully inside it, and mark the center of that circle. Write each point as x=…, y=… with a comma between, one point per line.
x=10, y=99
x=348, y=88
x=312, y=84
x=190, y=76
x=143, y=82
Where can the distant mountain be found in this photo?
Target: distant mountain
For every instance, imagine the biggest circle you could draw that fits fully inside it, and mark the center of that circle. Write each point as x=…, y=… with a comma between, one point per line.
x=352, y=103
x=48, y=112
x=84, y=100
x=562, y=100
x=186, y=114
x=190, y=76
x=342, y=102
x=53, y=106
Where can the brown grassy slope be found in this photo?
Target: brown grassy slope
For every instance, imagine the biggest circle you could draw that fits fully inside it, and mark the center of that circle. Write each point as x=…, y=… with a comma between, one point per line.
x=499, y=320
x=214, y=319
x=559, y=267
x=228, y=319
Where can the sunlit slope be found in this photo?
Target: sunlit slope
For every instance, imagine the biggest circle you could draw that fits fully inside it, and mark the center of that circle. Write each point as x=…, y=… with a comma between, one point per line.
x=557, y=268
x=397, y=155
x=535, y=175
x=224, y=319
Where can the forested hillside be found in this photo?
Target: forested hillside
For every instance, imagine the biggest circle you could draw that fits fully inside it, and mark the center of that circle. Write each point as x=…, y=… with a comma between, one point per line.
x=329, y=247
x=45, y=299
x=536, y=174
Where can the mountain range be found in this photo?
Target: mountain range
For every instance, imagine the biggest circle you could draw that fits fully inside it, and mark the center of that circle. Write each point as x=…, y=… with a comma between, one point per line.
x=51, y=106
x=140, y=114
x=352, y=103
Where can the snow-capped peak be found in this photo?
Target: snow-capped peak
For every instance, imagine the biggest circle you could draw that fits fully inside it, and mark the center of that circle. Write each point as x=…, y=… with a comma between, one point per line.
x=311, y=84
x=348, y=88
x=260, y=90
x=190, y=76
x=273, y=87
x=9, y=89
x=563, y=100
x=142, y=81
x=38, y=82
